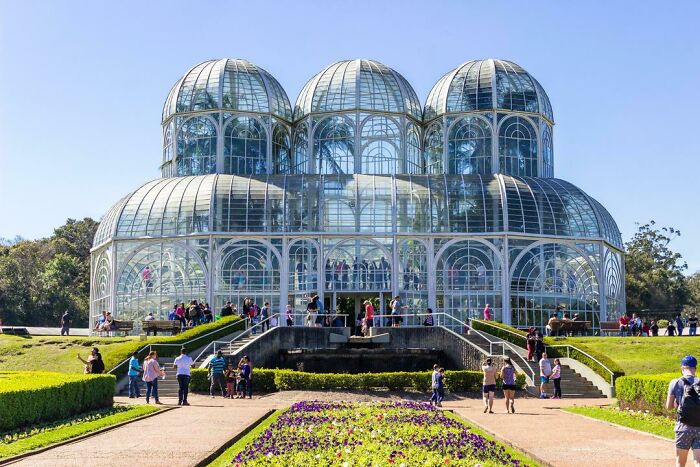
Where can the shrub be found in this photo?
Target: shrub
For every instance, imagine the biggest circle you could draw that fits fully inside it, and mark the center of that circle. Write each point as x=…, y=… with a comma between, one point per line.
x=644, y=392
x=287, y=380
x=31, y=397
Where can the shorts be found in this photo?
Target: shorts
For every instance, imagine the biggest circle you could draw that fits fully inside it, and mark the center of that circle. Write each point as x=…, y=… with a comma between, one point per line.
x=489, y=388
x=370, y=323
x=509, y=387
x=544, y=379
x=689, y=439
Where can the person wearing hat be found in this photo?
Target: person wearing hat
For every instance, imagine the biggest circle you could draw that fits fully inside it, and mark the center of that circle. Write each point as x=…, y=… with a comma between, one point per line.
x=688, y=425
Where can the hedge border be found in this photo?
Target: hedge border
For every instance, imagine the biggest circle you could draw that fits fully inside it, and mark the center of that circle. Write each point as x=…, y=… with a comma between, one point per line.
x=645, y=392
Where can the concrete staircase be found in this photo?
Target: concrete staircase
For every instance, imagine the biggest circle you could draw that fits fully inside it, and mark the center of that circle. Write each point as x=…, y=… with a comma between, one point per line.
x=228, y=350
x=573, y=385
x=167, y=387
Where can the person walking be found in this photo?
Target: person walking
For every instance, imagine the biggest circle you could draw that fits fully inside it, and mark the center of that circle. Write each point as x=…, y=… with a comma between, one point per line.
x=508, y=378
x=556, y=379
x=692, y=325
x=216, y=373
x=265, y=316
x=531, y=343
x=679, y=324
x=487, y=313
x=151, y=372
x=683, y=396
x=435, y=381
x=428, y=321
x=182, y=364
x=134, y=371
x=289, y=313
x=545, y=374
x=65, y=323
x=489, y=384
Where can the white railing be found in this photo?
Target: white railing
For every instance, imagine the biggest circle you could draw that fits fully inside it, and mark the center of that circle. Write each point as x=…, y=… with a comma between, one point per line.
x=251, y=329
x=246, y=322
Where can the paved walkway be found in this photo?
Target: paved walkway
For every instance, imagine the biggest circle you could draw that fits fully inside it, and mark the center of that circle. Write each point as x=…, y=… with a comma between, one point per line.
x=563, y=439
x=555, y=437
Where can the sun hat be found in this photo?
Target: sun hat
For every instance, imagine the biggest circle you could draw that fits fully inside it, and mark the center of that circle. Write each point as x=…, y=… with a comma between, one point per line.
x=689, y=361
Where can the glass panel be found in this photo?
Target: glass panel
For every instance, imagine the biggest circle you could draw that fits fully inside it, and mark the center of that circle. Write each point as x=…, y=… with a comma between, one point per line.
x=334, y=146
x=245, y=146
x=381, y=146
x=517, y=147
x=359, y=265
x=196, y=147
x=469, y=147
x=433, y=149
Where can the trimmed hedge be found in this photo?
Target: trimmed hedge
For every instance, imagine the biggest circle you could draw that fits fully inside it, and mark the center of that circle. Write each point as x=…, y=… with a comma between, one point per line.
x=266, y=380
x=519, y=338
x=31, y=397
x=644, y=392
x=196, y=335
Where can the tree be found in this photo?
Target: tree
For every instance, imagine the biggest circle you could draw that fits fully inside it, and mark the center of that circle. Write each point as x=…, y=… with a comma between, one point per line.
x=694, y=289
x=654, y=273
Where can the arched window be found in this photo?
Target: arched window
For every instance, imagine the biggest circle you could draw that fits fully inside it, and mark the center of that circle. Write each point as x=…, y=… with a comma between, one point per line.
x=301, y=148
x=433, y=149
x=196, y=147
x=167, y=168
x=547, y=151
x=101, y=286
x=360, y=265
x=413, y=275
x=517, y=148
x=281, y=152
x=245, y=147
x=334, y=146
x=381, y=146
x=553, y=278
x=613, y=284
x=469, y=147
x=414, y=164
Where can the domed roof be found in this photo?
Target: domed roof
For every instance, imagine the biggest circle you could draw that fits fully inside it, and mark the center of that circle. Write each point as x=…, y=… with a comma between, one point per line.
x=467, y=204
x=229, y=84
x=485, y=85
x=358, y=85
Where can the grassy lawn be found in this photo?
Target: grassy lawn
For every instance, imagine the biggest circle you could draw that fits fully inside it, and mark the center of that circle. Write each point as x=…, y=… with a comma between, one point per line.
x=654, y=424
x=41, y=436
x=641, y=355
x=52, y=353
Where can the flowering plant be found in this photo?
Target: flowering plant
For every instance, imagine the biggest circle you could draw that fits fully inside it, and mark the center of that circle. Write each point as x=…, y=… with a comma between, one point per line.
x=370, y=434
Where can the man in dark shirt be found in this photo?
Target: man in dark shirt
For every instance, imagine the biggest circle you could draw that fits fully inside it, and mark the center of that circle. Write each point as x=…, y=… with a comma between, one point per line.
x=692, y=325
x=65, y=324
x=670, y=329
x=654, y=329
x=227, y=310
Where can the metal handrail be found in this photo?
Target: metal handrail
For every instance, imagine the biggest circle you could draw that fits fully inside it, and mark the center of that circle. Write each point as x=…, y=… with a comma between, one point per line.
x=150, y=346
x=568, y=346
x=602, y=365
x=324, y=314
x=245, y=332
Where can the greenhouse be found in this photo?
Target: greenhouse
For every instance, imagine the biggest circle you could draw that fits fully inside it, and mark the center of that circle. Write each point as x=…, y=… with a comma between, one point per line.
x=358, y=192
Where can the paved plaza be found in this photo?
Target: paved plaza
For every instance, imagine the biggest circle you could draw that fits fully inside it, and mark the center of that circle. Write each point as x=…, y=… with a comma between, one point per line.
x=185, y=436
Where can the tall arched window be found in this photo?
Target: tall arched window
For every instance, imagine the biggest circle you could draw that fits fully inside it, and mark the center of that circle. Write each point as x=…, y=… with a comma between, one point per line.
x=469, y=147
x=334, y=146
x=281, y=152
x=547, y=151
x=196, y=147
x=167, y=168
x=301, y=149
x=433, y=149
x=517, y=148
x=381, y=146
x=245, y=147
x=414, y=164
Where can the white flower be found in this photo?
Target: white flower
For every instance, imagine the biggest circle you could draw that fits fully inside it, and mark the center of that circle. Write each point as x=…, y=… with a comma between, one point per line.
x=348, y=451
x=345, y=464
x=269, y=454
x=317, y=456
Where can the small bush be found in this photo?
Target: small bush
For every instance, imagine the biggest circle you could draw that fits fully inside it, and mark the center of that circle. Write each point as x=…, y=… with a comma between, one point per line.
x=644, y=392
x=288, y=380
x=31, y=397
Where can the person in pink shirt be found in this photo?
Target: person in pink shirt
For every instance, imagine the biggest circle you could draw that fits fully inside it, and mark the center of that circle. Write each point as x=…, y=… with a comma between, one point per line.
x=487, y=313
x=369, y=313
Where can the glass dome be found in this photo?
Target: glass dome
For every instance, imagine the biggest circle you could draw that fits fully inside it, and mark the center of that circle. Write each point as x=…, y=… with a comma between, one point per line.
x=460, y=204
x=228, y=84
x=488, y=84
x=357, y=85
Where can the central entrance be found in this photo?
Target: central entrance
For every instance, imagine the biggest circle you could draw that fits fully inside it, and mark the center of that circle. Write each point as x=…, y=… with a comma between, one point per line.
x=352, y=304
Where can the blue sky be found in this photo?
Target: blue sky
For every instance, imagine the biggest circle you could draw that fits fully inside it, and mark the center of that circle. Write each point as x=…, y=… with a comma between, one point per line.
x=82, y=86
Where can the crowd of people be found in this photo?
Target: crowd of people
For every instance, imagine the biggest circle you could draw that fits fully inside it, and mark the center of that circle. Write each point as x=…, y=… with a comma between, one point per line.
x=636, y=326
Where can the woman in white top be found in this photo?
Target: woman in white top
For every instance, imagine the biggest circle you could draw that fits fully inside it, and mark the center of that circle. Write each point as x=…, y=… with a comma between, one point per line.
x=489, y=386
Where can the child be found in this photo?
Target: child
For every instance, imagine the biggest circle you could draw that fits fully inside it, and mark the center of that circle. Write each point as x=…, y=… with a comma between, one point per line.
x=240, y=379
x=441, y=387
x=230, y=375
x=556, y=377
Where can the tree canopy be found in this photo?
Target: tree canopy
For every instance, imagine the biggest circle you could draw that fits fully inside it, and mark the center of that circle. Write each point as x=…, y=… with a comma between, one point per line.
x=40, y=279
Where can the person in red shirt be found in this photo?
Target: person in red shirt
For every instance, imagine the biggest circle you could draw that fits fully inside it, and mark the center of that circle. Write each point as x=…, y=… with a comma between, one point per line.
x=369, y=313
x=646, y=329
x=624, y=323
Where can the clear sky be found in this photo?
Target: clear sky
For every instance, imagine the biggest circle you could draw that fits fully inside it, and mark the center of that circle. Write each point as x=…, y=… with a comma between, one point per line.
x=82, y=86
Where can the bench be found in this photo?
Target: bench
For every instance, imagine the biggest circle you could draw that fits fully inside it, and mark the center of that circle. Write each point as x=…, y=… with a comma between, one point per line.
x=14, y=331
x=570, y=327
x=154, y=326
x=123, y=327
x=607, y=327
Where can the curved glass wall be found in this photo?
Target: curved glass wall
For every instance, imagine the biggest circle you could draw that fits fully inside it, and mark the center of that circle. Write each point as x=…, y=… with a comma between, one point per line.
x=517, y=147
x=334, y=146
x=196, y=147
x=245, y=146
x=469, y=146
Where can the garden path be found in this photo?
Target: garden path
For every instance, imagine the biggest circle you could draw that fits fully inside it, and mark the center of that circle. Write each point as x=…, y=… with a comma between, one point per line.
x=560, y=438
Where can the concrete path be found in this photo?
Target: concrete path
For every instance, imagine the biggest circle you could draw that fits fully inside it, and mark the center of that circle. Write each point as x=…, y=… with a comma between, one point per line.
x=187, y=435
x=563, y=439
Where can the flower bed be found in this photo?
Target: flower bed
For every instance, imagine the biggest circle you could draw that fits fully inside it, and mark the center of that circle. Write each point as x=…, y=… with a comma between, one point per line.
x=384, y=433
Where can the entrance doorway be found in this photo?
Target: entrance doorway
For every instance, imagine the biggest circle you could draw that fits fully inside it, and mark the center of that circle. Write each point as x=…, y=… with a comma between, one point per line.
x=352, y=303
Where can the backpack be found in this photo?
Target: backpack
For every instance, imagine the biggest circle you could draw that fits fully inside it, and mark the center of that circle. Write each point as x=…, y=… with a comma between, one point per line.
x=689, y=407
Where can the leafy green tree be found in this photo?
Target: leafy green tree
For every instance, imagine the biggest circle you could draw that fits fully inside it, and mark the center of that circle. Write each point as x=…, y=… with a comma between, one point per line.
x=694, y=289
x=654, y=273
